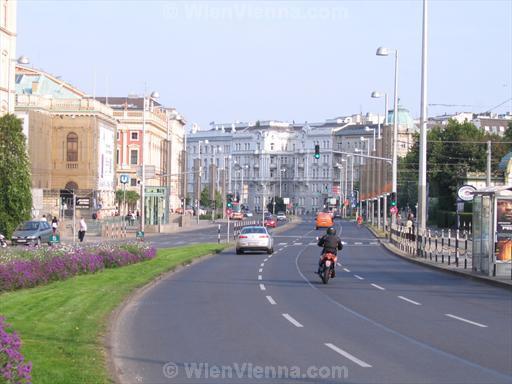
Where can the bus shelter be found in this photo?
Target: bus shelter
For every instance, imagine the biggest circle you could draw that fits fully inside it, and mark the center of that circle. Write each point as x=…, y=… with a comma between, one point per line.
x=492, y=231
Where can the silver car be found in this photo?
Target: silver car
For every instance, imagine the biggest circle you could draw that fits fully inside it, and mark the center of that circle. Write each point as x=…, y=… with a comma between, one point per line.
x=32, y=232
x=254, y=238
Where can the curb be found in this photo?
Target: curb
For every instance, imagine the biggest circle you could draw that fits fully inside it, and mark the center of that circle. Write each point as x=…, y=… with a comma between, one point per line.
x=466, y=274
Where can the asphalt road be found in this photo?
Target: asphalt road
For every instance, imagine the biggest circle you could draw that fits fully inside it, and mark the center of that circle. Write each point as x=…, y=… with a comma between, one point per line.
x=253, y=318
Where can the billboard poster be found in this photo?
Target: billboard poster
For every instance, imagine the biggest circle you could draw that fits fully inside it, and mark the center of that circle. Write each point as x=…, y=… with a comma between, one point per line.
x=106, y=158
x=504, y=229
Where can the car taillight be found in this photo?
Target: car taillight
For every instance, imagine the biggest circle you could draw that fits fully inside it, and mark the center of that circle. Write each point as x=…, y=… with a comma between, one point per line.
x=263, y=237
x=242, y=237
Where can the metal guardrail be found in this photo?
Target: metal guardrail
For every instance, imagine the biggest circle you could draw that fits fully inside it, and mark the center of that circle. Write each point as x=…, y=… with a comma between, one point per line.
x=445, y=246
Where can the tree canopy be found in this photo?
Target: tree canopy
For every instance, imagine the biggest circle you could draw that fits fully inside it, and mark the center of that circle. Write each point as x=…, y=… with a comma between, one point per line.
x=15, y=185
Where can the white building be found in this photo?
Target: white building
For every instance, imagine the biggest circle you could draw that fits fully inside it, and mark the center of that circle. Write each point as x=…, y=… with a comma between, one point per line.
x=7, y=54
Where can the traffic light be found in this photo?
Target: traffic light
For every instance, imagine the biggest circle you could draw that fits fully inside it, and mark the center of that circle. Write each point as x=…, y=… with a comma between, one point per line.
x=317, y=151
x=229, y=200
x=393, y=199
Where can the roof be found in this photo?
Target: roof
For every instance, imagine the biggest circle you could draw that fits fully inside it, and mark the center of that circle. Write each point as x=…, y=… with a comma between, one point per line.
x=31, y=81
x=124, y=102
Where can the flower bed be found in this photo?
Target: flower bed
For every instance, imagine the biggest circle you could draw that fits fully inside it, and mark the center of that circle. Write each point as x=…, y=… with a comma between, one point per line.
x=13, y=368
x=25, y=268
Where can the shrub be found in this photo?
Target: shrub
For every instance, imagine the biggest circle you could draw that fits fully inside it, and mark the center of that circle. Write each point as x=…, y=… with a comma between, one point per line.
x=13, y=368
x=29, y=268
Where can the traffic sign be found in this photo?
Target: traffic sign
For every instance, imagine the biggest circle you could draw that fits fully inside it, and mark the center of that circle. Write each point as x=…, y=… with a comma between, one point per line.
x=465, y=192
x=229, y=212
x=393, y=210
x=124, y=179
x=83, y=202
x=54, y=239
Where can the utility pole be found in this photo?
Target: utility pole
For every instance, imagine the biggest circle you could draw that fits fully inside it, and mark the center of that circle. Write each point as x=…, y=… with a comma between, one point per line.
x=422, y=182
x=488, y=173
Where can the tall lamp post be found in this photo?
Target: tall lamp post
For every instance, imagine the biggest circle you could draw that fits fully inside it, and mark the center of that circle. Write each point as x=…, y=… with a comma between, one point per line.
x=199, y=176
x=422, y=182
x=367, y=178
x=376, y=95
x=381, y=51
x=280, y=175
x=340, y=167
x=23, y=60
x=146, y=105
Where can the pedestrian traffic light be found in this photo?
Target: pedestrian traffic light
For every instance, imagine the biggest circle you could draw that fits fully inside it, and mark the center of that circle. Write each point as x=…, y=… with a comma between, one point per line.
x=393, y=199
x=317, y=151
x=229, y=200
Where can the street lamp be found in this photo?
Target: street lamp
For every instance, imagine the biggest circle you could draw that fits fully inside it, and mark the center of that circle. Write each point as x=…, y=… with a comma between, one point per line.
x=377, y=95
x=23, y=60
x=368, y=129
x=340, y=167
x=280, y=173
x=199, y=176
x=146, y=101
x=381, y=51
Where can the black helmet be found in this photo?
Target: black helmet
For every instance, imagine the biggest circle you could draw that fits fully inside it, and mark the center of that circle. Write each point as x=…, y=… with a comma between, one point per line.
x=331, y=231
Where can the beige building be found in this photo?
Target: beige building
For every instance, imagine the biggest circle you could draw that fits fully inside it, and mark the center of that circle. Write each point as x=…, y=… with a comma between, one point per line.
x=71, y=144
x=7, y=54
x=144, y=120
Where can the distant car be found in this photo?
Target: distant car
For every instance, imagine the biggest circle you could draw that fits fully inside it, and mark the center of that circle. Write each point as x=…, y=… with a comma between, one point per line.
x=280, y=216
x=32, y=233
x=248, y=214
x=254, y=238
x=337, y=214
x=323, y=220
x=237, y=216
x=270, y=221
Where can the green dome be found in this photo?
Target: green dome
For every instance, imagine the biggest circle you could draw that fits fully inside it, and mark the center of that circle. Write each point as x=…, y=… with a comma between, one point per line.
x=404, y=117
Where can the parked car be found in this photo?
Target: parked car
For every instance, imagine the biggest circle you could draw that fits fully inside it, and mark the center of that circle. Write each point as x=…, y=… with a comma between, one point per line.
x=281, y=216
x=254, y=238
x=237, y=216
x=324, y=220
x=270, y=221
x=32, y=233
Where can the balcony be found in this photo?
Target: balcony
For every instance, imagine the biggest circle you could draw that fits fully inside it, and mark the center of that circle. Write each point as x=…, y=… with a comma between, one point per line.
x=72, y=165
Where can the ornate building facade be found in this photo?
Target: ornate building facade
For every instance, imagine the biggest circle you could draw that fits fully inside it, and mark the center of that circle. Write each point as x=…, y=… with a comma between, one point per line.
x=7, y=54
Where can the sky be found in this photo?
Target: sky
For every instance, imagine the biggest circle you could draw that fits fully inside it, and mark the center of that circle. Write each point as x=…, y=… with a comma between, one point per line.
x=227, y=61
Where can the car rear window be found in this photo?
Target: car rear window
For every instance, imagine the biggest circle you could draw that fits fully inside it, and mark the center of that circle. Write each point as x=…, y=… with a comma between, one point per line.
x=253, y=230
x=29, y=226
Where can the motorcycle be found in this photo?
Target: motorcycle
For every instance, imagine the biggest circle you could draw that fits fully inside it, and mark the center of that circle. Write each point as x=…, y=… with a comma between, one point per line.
x=327, y=265
x=3, y=242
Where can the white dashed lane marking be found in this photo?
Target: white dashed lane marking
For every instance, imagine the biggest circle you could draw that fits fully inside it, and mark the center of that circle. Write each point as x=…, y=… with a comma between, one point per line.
x=466, y=320
x=409, y=300
x=262, y=287
x=260, y=277
x=352, y=358
x=359, y=277
x=378, y=287
x=271, y=300
x=292, y=320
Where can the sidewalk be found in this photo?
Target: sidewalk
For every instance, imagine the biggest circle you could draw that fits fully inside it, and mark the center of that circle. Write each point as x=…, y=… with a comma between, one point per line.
x=452, y=268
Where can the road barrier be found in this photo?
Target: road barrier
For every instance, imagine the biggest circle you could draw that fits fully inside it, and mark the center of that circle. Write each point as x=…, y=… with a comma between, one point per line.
x=445, y=246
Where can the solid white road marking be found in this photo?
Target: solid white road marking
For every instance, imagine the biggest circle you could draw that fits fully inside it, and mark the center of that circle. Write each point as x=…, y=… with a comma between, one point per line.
x=271, y=300
x=292, y=320
x=359, y=277
x=409, y=300
x=261, y=270
x=343, y=353
x=466, y=320
x=259, y=277
x=346, y=269
x=262, y=287
x=374, y=243
x=378, y=287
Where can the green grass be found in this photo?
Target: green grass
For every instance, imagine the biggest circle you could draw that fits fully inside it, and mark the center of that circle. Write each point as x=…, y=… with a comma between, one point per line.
x=62, y=324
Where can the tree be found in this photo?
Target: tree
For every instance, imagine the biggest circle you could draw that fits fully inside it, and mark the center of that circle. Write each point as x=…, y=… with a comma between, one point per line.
x=280, y=205
x=131, y=198
x=15, y=193
x=205, y=197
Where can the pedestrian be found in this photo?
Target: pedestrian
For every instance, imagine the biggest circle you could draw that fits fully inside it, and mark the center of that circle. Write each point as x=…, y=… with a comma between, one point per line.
x=55, y=224
x=82, y=230
x=44, y=218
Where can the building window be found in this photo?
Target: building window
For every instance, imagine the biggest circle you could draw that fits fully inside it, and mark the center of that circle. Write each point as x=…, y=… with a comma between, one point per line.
x=117, y=156
x=135, y=135
x=271, y=146
x=118, y=135
x=134, y=156
x=72, y=147
x=133, y=182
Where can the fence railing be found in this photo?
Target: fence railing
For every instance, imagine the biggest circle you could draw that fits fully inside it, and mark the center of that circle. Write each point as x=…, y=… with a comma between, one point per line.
x=445, y=246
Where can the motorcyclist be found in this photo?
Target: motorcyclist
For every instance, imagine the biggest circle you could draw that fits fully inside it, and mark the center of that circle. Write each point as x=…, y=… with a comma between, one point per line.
x=330, y=243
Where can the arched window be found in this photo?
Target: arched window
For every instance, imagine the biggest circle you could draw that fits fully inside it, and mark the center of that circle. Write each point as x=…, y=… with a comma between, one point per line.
x=72, y=147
